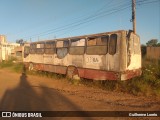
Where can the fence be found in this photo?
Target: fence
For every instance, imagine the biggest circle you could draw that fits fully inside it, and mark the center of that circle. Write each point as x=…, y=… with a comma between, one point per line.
x=153, y=53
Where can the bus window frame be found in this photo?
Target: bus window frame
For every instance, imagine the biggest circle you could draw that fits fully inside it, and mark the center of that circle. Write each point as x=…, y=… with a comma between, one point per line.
x=62, y=49
x=32, y=48
x=53, y=47
x=40, y=50
x=115, y=46
x=98, y=46
x=77, y=47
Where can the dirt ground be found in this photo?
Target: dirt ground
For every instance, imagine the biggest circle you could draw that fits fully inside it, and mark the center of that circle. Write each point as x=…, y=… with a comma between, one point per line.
x=21, y=92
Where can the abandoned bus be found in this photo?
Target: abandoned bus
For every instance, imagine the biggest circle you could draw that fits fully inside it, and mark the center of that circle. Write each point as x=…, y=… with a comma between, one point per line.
x=104, y=56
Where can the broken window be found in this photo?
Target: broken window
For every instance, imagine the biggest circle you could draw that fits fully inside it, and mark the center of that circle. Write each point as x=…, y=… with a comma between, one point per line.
x=66, y=43
x=78, y=42
x=97, y=45
x=91, y=42
x=77, y=47
x=59, y=44
x=62, y=52
x=50, y=44
x=40, y=48
x=62, y=48
x=50, y=47
x=33, y=48
x=104, y=40
x=41, y=45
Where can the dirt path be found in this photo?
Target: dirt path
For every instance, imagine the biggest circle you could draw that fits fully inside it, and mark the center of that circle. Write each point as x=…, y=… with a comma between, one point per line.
x=20, y=92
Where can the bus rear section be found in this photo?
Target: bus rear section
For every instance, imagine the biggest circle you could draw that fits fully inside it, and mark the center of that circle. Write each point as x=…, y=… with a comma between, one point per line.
x=131, y=65
x=112, y=56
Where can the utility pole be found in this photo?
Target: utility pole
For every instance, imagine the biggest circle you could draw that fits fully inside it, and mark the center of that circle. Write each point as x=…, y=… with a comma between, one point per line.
x=134, y=15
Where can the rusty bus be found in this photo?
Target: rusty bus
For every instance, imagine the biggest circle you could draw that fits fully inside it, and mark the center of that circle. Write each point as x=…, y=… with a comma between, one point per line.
x=104, y=56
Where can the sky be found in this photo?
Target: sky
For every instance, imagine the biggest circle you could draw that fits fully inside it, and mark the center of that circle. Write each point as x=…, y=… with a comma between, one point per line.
x=33, y=20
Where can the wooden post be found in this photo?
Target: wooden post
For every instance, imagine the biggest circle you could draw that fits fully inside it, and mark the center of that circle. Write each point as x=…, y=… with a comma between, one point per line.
x=134, y=15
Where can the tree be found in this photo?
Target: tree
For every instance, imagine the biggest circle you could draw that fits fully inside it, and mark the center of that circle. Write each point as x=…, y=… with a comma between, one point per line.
x=152, y=42
x=158, y=44
x=21, y=42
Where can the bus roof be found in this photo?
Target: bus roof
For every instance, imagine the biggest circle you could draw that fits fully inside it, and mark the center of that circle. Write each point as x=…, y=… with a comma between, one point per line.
x=83, y=36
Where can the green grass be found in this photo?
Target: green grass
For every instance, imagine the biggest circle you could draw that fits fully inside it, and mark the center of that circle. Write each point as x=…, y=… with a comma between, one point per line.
x=12, y=65
x=46, y=74
x=74, y=81
x=148, y=84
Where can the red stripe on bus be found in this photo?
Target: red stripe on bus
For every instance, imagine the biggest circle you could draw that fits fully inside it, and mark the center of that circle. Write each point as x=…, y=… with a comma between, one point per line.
x=97, y=74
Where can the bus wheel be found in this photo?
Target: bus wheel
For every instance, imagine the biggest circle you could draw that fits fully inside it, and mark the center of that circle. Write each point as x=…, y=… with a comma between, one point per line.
x=30, y=67
x=72, y=73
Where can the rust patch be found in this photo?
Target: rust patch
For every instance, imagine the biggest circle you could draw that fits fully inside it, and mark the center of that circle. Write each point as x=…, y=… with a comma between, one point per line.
x=49, y=68
x=108, y=75
x=130, y=74
x=98, y=74
x=38, y=67
x=60, y=69
x=55, y=69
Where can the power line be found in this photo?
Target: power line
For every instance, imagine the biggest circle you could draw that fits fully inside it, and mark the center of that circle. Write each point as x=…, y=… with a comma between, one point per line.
x=143, y=3
x=89, y=18
x=100, y=13
x=68, y=25
x=100, y=17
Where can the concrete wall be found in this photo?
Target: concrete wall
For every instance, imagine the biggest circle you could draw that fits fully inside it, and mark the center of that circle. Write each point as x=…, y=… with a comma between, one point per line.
x=6, y=50
x=2, y=38
x=17, y=53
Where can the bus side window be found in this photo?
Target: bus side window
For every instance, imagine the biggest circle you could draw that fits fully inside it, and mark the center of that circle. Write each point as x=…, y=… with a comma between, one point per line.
x=97, y=45
x=66, y=43
x=62, y=48
x=33, y=48
x=112, y=44
x=91, y=41
x=40, y=48
x=50, y=47
x=104, y=41
x=77, y=47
